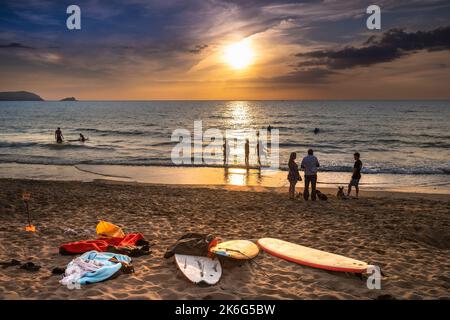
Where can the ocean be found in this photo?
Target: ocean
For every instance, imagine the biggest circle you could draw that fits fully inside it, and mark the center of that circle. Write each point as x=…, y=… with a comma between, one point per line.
x=400, y=138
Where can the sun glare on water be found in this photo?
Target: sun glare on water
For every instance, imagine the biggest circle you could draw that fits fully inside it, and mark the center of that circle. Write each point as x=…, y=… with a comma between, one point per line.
x=239, y=55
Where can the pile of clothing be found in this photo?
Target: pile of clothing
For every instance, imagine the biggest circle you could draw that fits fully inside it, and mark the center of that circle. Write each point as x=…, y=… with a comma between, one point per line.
x=102, y=258
x=132, y=244
x=94, y=266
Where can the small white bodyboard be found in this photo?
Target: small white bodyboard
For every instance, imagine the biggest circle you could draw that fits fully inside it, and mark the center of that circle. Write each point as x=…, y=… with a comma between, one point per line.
x=199, y=269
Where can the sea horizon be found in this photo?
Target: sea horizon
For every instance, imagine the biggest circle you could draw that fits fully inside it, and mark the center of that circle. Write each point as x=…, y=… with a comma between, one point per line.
x=213, y=100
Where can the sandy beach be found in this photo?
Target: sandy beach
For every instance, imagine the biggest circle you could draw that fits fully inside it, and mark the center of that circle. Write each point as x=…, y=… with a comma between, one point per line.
x=407, y=235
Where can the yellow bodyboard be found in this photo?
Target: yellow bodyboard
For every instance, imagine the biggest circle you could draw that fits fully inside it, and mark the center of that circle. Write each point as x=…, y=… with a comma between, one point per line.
x=236, y=249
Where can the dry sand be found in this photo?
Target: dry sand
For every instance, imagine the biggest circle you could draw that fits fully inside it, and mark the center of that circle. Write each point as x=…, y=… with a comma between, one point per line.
x=407, y=235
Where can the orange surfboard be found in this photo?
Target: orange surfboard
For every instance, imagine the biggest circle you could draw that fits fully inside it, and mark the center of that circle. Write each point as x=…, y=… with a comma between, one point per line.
x=311, y=257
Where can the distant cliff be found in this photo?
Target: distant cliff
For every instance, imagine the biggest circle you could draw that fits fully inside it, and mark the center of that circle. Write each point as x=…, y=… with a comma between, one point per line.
x=69, y=99
x=19, y=96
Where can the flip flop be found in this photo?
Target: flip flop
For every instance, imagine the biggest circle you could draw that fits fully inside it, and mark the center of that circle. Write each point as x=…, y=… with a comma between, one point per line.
x=12, y=263
x=58, y=270
x=30, y=266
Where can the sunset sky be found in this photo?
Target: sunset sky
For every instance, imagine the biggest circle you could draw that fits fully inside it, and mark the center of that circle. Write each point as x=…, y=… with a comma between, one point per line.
x=180, y=49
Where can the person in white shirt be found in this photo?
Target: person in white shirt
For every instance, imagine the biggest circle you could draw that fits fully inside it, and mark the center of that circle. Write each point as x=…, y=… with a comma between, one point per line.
x=310, y=165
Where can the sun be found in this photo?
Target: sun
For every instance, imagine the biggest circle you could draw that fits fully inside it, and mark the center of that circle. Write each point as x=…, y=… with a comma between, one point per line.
x=239, y=55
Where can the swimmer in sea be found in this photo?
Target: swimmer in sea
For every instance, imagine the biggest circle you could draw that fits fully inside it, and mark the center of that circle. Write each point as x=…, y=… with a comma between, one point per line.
x=82, y=138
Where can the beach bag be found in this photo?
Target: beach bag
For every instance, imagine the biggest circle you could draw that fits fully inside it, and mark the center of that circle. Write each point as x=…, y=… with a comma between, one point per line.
x=193, y=244
x=321, y=195
x=108, y=230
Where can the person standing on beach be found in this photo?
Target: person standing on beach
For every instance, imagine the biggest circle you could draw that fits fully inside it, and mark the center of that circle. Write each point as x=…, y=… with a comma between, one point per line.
x=356, y=176
x=58, y=135
x=310, y=165
x=247, y=152
x=225, y=151
x=293, y=175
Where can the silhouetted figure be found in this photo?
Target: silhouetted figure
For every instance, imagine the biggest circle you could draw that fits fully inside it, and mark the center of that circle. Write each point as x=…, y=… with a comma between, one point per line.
x=356, y=175
x=316, y=130
x=59, y=137
x=82, y=138
x=258, y=148
x=269, y=128
x=293, y=175
x=310, y=165
x=247, y=152
x=225, y=151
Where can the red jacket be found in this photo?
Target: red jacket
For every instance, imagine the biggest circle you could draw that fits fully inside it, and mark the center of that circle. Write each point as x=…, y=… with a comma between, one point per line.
x=100, y=245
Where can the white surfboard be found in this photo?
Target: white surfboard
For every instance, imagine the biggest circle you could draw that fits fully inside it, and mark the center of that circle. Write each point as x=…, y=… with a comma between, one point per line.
x=199, y=269
x=311, y=257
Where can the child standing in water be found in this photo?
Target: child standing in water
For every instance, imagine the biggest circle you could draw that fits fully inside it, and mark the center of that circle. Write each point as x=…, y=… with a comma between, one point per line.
x=293, y=175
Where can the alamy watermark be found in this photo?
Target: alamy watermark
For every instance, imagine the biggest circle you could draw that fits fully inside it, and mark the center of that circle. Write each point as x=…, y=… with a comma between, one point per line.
x=73, y=22
x=250, y=147
x=374, y=278
x=374, y=20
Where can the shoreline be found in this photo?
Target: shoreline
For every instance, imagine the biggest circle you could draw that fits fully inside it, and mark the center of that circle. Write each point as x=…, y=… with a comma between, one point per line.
x=375, y=193
x=407, y=238
x=215, y=176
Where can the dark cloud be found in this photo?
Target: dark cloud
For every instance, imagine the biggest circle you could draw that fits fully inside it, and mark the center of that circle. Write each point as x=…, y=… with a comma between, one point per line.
x=308, y=76
x=198, y=48
x=390, y=46
x=14, y=45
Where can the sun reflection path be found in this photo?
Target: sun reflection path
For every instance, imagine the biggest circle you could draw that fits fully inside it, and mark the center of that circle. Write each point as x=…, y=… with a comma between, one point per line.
x=241, y=117
x=237, y=177
x=239, y=120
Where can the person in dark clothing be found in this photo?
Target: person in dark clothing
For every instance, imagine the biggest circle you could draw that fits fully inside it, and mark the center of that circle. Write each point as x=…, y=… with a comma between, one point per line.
x=294, y=175
x=356, y=176
x=310, y=165
x=59, y=136
x=225, y=151
x=258, y=148
x=247, y=152
x=82, y=138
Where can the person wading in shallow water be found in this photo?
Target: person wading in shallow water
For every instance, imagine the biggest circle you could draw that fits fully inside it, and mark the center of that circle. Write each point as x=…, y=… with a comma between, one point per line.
x=59, y=136
x=225, y=152
x=247, y=152
x=258, y=148
x=294, y=175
